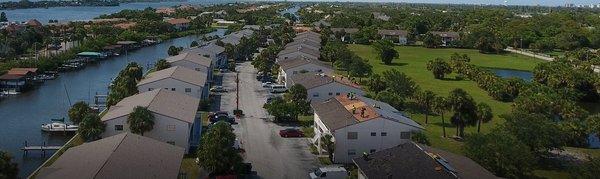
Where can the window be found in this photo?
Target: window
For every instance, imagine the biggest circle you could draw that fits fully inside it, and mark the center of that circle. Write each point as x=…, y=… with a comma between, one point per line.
x=172, y=89
x=207, y=56
x=294, y=72
x=166, y=88
x=372, y=151
x=150, y=89
x=352, y=135
x=337, y=94
x=330, y=94
x=171, y=142
x=373, y=133
x=197, y=69
x=384, y=134
x=404, y=135
x=315, y=94
x=187, y=90
x=171, y=127
x=351, y=152
x=118, y=127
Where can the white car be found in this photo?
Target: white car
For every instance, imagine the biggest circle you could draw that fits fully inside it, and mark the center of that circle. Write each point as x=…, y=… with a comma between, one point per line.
x=218, y=89
x=333, y=172
x=267, y=84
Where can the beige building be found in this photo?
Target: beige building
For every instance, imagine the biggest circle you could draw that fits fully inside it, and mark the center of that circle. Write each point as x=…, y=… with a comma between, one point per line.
x=178, y=79
x=321, y=87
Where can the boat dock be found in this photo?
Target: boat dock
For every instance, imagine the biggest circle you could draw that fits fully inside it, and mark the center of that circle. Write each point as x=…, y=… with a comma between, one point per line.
x=42, y=148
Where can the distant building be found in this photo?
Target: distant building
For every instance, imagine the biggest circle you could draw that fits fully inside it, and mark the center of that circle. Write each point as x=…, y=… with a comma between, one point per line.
x=235, y=37
x=347, y=32
x=359, y=124
x=165, y=10
x=18, y=79
x=125, y=25
x=179, y=79
x=193, y=61
x=176, y=119
x=210, y=50
x=321, y=86
x=304, y=43
x=447, y=37
x=299, y=51
x=411, y=160
x=125, y=155
x=180, y=24
x=33, y=23
x=380, y=16
x=396, y=36
x=321, y=23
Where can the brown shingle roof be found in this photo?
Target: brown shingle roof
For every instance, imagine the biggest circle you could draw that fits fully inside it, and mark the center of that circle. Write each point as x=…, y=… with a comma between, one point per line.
x=191, y=57
x=178, y=73
x=178, y=21
x=124, y=155
x=169, y=103
x=22, y=71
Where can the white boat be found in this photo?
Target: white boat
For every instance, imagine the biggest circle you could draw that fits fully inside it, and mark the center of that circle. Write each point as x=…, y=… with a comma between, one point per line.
x=59, y=127
x=10, y=92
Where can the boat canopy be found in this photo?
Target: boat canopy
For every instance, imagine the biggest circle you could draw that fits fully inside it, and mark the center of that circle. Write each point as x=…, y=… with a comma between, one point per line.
x=89, y=54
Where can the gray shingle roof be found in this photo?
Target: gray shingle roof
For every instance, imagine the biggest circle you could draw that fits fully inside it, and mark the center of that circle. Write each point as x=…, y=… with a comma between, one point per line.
x=310, y=80
x=124, y=155
x=410, y=160
x=178, y=73
x=304, y=42
x=446, y=34
x=191, y=57
x=208, y=48
x=169, y=103
x=393, y=32
x=300, y=49
x=299, y=61
x=308, y=37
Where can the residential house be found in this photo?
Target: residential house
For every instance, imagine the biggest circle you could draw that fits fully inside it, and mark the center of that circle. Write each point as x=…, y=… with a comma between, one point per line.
x=176, y=120
x=358, y=124
x=345, y=33
x=299, y=51
x=211, y=50
x=321, y=86
x=380, y=16
x=298, y=65
x=396, y=36
x=193, y=61
x=236, y=37
x=223, y=22
x=255, y=27
x=13, y=83
x=179, y=79
x=304, y=42
x=321, y=23
x=125, y=155
x=125, y=25
x=34, y=23
x=180, y=24
x=411, y=160
x=447, y=37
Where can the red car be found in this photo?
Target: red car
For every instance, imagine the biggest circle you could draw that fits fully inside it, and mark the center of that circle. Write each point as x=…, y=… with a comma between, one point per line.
x=291, y=132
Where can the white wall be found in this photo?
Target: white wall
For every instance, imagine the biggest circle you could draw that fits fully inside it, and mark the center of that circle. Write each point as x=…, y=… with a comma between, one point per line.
x=165, y=129
x=333, y=88
x=365, y=142
x=169, y=83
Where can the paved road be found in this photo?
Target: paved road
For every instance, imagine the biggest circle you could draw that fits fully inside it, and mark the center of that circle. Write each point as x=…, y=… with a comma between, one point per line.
x=271, y=156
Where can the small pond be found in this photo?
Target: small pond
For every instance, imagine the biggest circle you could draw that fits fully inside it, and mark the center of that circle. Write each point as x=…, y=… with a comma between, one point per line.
x=508, y=73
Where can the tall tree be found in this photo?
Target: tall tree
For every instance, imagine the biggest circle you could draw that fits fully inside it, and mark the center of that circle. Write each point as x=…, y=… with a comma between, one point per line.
x=3, y=17
x=8, y=169
x=547, y=135
x=425, y=100
x=78, y=111
x=297, y=94
x=441, y=105
x=439, y=68
x=328, y=145
x=501, y=153
x=174, y=50
x=399, y=83
x=161, y=65
x=216, y=152
x=432, y=41
x=484, y=114
x=140, y=120
x=91, y=127
x=194, y=44
x=385, y=50
x=464, y=109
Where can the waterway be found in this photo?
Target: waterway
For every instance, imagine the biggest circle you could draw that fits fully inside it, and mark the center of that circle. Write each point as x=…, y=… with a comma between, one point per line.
x=508, y=73
x=22, y=115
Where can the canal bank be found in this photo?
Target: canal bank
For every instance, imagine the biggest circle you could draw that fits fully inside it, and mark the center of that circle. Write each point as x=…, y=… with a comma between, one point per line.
x=23, y=114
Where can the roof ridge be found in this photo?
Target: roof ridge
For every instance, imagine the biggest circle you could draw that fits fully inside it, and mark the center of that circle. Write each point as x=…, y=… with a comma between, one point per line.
x=109, y=156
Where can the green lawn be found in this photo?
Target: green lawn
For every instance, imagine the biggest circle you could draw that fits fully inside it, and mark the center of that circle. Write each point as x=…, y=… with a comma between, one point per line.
x=413, y=62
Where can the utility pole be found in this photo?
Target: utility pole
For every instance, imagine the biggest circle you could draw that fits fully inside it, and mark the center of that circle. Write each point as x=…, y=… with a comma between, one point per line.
x=237, y=91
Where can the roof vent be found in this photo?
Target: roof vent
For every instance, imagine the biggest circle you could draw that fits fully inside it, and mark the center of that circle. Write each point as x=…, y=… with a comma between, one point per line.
x=365, y=156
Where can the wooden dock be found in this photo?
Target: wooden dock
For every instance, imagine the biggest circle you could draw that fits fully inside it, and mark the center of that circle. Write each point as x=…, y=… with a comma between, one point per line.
x=43, y=148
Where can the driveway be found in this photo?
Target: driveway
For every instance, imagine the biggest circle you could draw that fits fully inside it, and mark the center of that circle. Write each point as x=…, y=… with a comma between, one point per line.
x=271, y=156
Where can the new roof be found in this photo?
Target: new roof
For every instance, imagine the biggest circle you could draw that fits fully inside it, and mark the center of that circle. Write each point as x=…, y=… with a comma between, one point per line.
x=299, y=61
x=410, y=160
x=124, y=155
x=178, y=73
x=191, y=57
x=169, y=103
x=336, y=113
x=393, y=32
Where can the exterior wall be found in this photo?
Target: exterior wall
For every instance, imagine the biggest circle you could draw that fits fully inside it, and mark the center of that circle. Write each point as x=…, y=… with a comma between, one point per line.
x=170, y=83
x=187, y=64
x=365, y=142
x=282, y=77
x=295, y=54
x=308, y=67
x=396, y=39
x=322, y=93
x=166, y=129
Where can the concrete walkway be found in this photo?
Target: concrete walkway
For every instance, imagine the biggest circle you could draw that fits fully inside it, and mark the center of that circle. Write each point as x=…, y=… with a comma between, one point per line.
x=530, y=54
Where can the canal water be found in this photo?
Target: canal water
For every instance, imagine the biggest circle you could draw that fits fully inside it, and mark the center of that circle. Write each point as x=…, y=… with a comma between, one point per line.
x=22, y=115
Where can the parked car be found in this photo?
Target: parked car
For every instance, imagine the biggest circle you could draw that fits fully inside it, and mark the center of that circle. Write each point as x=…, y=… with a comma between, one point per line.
x=267, y=84
x=278, y=89
x=291, y=132
x=218, y=89
x=329, y=172
x=221, y=116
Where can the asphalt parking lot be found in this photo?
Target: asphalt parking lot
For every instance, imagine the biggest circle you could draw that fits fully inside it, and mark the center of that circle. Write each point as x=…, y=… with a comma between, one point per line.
x=271, y=155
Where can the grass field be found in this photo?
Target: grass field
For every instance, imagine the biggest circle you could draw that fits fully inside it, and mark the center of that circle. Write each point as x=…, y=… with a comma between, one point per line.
x=412, y=62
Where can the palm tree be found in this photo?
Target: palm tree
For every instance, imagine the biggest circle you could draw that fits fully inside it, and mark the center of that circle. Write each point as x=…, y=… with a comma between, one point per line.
x=484, y=114
x=79, y=111
x=162, y=64
x=425, y=100
x=328, y=145
x=140, y=120
x=441, y=105
x=464, y=109
x=91, y=127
